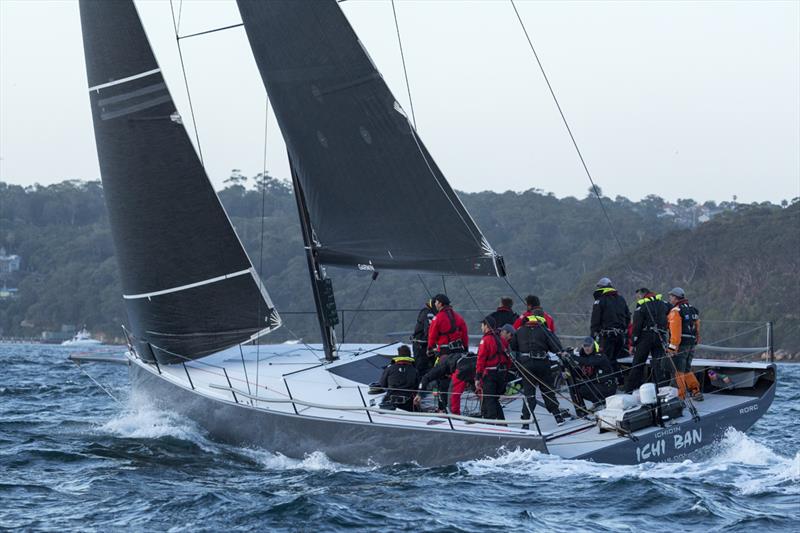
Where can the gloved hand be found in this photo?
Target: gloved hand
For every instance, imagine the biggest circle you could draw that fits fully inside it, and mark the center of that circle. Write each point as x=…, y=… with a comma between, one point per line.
x=672, y=350
x=478, y=388
x=417, y=401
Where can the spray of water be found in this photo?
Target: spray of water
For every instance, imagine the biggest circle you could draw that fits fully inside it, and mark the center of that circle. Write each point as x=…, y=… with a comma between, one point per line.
x=758, y=468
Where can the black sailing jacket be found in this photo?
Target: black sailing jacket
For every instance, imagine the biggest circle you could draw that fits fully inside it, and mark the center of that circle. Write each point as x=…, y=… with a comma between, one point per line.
x=651, y=311
x=610, y=311
x=596, y=368
x=424, y=318
x=399, y=379
x=503, y=316
x=535, y=339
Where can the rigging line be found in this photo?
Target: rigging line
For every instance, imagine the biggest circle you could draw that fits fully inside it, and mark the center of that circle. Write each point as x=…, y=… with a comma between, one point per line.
x=569, y=131
x=186, y=83
x=180, y=13
x=261, y=239
x=360, y=304
x=304, y=343
x=514, y=290
x=424, y=286
x=477, y=307
x=403, y=59
x=417, y=142
x=214, y=30
x=97, y=382
x=523, y=371
x=244, y=366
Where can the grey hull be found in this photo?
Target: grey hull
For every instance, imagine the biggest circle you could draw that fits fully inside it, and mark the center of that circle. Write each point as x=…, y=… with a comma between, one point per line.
x=365, y=443
x=341, y=441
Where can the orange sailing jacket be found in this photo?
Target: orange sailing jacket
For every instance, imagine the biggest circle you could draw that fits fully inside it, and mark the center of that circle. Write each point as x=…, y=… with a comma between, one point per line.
x=675, y=324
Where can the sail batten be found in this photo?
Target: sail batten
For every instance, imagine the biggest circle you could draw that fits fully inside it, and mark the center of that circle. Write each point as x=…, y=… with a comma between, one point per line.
x=369, y=183
x=189, y=288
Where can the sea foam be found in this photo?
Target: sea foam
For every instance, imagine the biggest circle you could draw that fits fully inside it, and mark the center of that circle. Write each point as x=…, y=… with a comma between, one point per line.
x=759, y=469
x=142, y=420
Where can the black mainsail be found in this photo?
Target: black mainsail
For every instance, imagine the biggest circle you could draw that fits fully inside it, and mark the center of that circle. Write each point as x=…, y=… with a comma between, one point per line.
x=375, y=198
x=190, y=289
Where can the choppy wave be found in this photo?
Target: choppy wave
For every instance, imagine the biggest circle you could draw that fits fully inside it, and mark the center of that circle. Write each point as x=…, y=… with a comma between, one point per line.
x=313, y=462
x=736, y=452
x=84, y=461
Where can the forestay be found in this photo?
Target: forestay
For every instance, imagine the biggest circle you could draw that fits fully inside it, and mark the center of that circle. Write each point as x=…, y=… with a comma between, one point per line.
x=375, y=197
x=190, y=289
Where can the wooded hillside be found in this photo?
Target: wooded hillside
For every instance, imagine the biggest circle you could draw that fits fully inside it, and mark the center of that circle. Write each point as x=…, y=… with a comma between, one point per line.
x=742, y=265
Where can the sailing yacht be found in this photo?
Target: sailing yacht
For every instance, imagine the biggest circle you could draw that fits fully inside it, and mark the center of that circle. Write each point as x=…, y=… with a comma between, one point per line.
x=370, y=198
x=82, y=338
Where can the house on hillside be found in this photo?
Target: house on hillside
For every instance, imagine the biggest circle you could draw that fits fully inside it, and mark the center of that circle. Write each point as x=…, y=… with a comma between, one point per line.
x=689, y=214
x=7, y=293
x=8, y=263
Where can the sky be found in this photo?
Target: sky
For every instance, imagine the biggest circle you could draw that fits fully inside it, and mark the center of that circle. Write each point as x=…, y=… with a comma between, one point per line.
x=681, y=99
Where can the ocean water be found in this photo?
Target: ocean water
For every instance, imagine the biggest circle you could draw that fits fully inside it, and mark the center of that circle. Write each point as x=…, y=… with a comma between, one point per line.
x=71, y=458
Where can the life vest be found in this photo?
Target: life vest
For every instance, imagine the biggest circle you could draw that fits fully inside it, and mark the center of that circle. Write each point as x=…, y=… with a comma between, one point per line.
x=449, y=312
x=451, y=339
x=689, y=317
x=499, y=357
x=652, y=319
x=643, y=301
x=536, y=318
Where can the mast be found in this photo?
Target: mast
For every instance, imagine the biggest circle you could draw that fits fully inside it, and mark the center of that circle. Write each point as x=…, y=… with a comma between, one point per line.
x=321, y=286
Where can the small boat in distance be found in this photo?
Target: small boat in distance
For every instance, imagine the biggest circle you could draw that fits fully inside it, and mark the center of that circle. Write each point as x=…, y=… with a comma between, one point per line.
x=82, y=338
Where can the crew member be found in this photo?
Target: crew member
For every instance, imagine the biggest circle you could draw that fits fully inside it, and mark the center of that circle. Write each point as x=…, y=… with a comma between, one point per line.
x=419, y=338
x=533, y=303
x=491, y=370
x=647, y=337
x=684, y=334
x=447, y=335
x=595, y=375
x=530, y=346
x=609, y=323
x=504, y=314
x=399, y=380
x=448, y=331
x=462, y=377
x=507, y=333
x=457, y=370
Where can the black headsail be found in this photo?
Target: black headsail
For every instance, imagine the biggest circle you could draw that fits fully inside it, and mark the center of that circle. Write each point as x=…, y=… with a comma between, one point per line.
x=190, y=289
x=375, y=198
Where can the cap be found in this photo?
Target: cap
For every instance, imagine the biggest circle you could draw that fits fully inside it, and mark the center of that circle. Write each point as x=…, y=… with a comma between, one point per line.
x=604, y=282
x=677, y=292
x=489, y=321
x=508, y=328
x=588, y=341
x=533, y=300
x=442, y=299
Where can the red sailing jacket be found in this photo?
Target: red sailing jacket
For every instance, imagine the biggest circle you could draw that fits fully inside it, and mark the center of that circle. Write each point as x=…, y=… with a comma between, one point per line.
x=551, y=325
x=490, y=355
x=441, y=332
